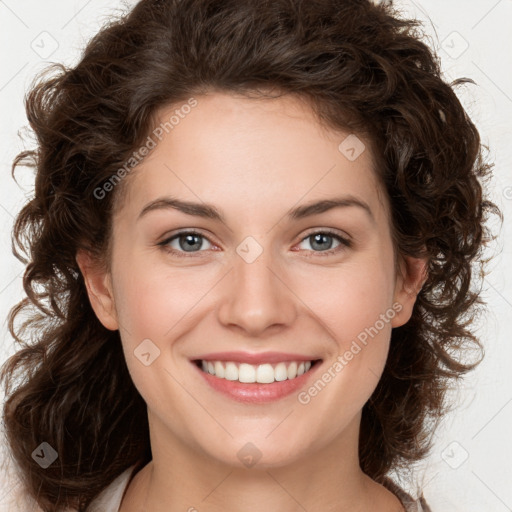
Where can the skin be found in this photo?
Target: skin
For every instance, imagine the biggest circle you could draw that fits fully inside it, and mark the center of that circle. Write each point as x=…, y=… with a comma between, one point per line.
x=254, y=160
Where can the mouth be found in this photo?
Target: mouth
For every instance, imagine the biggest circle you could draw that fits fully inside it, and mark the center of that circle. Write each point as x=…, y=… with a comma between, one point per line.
x=251, y=373
x=256, y=379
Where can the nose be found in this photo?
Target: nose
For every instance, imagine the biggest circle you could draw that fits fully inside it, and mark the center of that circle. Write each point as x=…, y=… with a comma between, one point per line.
x=257, y=297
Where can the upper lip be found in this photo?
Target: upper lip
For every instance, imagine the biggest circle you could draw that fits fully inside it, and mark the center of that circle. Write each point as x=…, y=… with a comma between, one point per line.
x=255, y=358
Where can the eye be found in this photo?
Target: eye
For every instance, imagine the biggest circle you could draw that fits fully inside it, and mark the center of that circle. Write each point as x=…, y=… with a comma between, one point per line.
x=185, y=242
x=322, y=241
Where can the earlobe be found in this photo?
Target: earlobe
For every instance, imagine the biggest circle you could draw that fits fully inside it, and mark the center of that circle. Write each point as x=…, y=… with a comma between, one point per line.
x=99, y=289
x=409, y=281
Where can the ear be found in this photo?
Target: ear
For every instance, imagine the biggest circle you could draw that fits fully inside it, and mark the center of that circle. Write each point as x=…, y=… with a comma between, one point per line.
x=411, y=276
x=99, y=288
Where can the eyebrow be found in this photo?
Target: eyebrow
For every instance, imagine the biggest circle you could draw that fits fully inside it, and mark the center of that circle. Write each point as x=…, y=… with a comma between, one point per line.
x=209, y=211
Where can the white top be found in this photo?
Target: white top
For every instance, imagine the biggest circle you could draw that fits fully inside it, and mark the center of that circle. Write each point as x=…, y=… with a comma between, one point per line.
x=109, y=500
x=14, y=498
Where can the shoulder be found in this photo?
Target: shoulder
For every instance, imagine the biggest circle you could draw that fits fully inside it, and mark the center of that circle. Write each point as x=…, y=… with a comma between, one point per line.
x=410, y=504
x=15, y=498
x=109, y=500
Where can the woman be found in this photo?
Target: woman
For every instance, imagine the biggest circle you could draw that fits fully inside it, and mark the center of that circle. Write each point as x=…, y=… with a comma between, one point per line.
x=250, y=254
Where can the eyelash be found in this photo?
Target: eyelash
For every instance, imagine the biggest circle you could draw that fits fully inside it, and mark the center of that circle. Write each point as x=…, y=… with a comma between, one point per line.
x=344, y=243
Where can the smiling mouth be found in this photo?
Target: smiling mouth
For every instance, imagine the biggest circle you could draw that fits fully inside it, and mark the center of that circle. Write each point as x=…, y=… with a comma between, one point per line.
x=260, y=374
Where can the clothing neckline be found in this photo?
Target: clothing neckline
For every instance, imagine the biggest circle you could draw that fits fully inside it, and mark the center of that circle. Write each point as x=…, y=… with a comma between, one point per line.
x=407, y=501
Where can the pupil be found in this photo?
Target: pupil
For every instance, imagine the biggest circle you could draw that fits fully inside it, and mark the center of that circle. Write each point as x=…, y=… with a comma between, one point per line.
x=322, y=240
x=191, y=240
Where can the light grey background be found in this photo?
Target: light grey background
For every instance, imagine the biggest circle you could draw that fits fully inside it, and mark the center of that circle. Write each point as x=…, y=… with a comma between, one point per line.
x=469, y=469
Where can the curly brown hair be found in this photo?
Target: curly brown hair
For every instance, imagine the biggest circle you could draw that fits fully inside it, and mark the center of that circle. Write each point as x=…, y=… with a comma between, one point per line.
x=364, y=69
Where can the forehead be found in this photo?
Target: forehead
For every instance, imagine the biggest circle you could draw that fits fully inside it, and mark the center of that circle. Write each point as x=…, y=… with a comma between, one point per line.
x=250, y=152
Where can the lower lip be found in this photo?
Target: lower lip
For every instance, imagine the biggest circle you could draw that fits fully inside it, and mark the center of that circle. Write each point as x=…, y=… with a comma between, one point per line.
x=255, y=392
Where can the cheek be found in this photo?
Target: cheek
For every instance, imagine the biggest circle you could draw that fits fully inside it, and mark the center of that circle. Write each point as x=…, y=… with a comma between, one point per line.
x=162, y=304
x=155, y=306
x=152, y=300
x=355, y=306
x=351, y=299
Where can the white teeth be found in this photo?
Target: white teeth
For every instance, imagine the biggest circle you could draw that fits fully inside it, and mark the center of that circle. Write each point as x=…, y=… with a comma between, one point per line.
x=246, y=373
x=263, y=373
x=292, y=371
x=280, y=372
x=231, y=371
x=219, y=369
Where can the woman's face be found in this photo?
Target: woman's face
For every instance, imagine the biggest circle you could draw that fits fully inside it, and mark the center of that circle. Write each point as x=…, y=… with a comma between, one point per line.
x=290, y=267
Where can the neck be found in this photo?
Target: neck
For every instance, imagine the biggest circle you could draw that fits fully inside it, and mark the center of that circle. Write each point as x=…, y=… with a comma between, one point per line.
x=180, y=478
